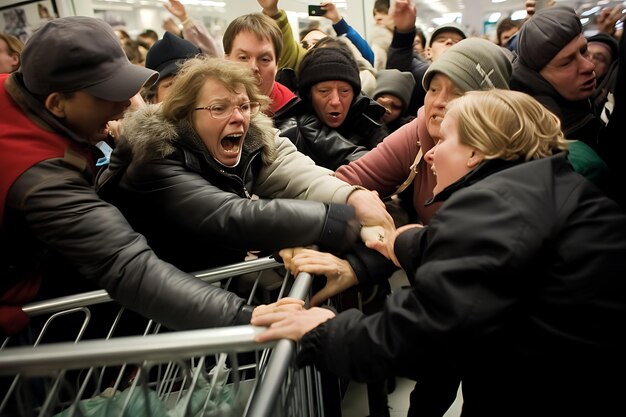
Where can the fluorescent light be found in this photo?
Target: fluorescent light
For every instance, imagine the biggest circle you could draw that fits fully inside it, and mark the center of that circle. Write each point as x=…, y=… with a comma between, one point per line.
x=113, y=7
x=494, y=17
x=518, y=15
x=446, y=18
x=204, y=3
x=591, y=11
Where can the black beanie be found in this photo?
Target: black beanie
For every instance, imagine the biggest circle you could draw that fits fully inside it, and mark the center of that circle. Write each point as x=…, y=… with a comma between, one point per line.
x=167, y=54
x=327, y=64
x=545, y=34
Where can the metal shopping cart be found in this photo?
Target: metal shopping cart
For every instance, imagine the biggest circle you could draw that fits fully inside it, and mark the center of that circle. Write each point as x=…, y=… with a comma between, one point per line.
x=212, y=372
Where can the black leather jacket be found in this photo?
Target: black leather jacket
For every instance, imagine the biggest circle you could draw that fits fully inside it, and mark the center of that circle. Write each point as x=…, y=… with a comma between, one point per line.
x=331, y=148
x=56, y=226
x=198, y=214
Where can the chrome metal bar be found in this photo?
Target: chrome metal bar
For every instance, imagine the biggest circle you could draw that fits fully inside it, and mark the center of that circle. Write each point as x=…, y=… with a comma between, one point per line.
x=267, y=391
x=101, y=296
x=216, y=274
x=45, y=359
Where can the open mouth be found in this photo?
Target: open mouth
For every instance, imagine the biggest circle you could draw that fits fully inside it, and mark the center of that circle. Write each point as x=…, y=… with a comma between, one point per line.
x=232, y=143
x=591, y=83
x=334, y=115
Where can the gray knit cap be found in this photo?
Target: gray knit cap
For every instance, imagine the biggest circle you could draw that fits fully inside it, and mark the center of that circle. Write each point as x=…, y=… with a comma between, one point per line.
x=545, y=34
x=472, y=64
x=396, y=83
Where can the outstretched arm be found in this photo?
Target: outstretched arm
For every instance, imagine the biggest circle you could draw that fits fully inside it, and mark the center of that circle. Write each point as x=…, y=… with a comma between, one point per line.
x=194, y=30
x=293, y=52
x=342, y=27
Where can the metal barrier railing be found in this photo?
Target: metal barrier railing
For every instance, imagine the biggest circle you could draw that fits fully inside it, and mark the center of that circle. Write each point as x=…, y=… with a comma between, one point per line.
x=101, y=296
x=27, y=361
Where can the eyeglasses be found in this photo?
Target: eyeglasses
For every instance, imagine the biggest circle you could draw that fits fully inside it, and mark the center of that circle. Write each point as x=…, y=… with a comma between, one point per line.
x=222, y=111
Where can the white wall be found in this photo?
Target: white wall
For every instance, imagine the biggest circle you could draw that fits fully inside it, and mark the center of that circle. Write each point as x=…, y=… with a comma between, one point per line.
x=358, y=14
x=137, y=18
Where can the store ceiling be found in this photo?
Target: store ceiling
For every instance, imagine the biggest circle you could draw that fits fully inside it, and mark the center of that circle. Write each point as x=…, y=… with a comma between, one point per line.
x=430, y=12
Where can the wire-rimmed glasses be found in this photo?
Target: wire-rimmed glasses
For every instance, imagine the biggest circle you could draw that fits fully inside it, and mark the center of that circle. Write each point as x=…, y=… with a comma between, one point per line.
x=222, y=111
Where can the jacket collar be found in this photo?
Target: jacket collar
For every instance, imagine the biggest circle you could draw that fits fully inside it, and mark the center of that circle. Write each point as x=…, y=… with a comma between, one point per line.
x=485, y=169
x=283, y=99
x=36, y=111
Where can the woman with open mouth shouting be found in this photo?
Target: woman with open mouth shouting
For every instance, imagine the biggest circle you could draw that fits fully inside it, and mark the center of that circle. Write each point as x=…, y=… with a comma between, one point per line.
x=206, y=177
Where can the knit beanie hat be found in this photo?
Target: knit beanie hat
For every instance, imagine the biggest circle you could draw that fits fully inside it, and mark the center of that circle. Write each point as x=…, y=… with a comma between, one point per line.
x=545, y=34
x=168, y=53
x=327, y=64
x=608, y=40
x=472, y=64
x=395, y=83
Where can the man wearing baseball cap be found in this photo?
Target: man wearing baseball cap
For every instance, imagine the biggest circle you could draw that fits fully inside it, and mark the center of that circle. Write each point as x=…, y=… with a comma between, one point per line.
x=55, y=231
x=442, y=38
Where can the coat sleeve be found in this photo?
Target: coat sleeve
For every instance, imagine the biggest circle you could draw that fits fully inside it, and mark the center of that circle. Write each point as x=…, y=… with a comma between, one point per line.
x=64, y=212
x=400, y=53
x=295, y=175
x=293, y=52
x=460, y=295
x=386, y=166
x=195, y=205
x=197, y=33
x=343, y=28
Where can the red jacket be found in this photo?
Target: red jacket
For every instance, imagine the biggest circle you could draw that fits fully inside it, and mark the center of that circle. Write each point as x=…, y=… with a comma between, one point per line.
x=23, y=144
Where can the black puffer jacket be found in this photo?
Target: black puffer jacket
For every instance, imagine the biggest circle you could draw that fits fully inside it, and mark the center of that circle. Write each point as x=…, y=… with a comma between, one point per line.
x=331, y=148
x=198, y=214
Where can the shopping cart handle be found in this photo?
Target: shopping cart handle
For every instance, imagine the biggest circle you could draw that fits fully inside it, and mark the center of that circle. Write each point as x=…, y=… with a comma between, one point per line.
x=48, y=358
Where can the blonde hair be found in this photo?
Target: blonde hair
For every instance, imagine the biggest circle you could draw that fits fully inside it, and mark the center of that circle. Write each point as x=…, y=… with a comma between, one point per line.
x=181, y=98
x=14, y=47
x=505, y=124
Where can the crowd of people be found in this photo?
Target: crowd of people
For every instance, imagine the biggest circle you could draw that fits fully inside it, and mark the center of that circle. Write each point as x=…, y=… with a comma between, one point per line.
x=128, y=164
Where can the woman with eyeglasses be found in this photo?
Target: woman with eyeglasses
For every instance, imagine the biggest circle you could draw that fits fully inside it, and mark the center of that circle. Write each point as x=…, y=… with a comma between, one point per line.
x=211, y=179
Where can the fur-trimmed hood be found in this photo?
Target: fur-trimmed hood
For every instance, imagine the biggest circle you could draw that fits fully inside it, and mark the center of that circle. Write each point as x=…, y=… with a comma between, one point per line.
x=150, y=136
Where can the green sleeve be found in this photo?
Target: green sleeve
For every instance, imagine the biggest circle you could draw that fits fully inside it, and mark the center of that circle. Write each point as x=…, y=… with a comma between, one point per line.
x=586, y=162
x=292, y=50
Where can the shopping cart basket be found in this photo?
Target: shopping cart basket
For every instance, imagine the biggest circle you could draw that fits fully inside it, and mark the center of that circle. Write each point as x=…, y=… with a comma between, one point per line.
x=211, y=372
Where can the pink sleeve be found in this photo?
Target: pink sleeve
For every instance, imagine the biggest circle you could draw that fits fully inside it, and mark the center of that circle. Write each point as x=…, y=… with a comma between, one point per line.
x=386, y=166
